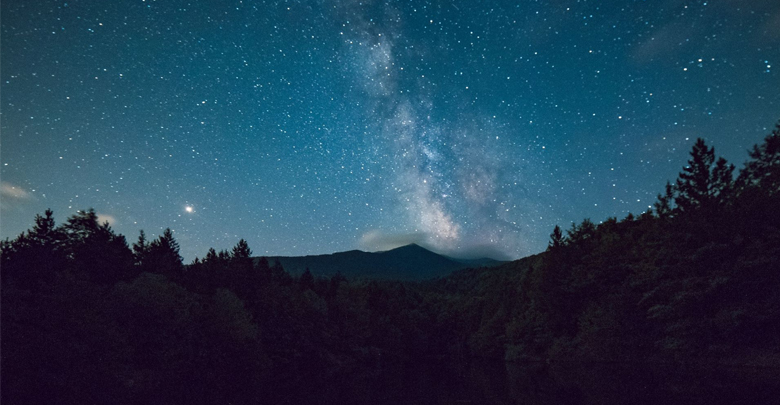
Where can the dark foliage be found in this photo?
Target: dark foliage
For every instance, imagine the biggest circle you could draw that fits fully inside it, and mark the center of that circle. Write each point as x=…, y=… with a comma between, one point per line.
x=87, y=319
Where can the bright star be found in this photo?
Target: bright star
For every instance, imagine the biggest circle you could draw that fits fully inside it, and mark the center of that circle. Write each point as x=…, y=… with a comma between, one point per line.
x=189, y=209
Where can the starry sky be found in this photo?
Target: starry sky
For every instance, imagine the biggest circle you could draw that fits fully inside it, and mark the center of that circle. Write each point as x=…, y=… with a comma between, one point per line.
x=309, y=127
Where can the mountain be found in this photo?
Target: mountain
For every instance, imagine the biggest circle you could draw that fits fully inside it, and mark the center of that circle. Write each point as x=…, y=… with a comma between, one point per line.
x=482, y=262
x=410, y=262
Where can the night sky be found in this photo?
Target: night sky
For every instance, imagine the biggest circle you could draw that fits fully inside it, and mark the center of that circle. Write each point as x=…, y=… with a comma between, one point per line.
x=308, y=127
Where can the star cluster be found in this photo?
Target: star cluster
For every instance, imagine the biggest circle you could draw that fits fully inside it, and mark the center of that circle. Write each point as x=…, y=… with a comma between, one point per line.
x=310, y=127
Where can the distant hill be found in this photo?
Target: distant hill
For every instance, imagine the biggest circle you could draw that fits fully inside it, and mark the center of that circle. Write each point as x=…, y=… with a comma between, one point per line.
x=483, y=262
x=410, y=262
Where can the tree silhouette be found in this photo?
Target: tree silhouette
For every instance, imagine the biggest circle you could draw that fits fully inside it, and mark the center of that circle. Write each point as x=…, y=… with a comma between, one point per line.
x=722, y=182
x=763, y=171
x=95, y=250
x=209, y=271
x=279, y=275
x=81, y=226
x=33, y=258
x=140, y=249
x=581, y=232
x=243, y=278
x=758, y=186
x=664, y=205
x=263, y=270
x=164, y=257
x=556, y=238
x=241, y=250
x=700, y=185
x=306, y=280
x=44, y=232
x=211, y=256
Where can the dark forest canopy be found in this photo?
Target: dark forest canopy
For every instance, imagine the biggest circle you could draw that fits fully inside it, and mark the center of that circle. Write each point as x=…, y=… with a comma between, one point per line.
x=88, y=318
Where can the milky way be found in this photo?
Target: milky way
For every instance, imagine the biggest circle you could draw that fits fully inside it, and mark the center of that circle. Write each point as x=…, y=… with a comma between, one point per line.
x=310, y=127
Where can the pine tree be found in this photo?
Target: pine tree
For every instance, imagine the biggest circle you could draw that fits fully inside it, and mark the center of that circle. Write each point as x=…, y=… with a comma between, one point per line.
x=242, y=278
x=208, y=270
x=693, y=184
x=210, y=256
x=140, y=249
x=44, y=231
x=242, y=250
x=704, y=184
x=80, y=227
x=722, y=182
x=758, y=186
x=164, y=257
x=664, y=205
x=34, y=257
x=763, y=171
x=556, y=238
x=95, y=250
x=581, y=232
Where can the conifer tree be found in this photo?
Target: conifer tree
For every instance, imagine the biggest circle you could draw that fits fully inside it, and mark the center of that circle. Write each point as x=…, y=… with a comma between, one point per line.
x=34, y=257
x=242, y=276
x=722, y=182
x=581, y=232
x=164, y=257
x=242, y=250
x=209, y=270
x=556, y=238
x=140, y=249
x=763, y=171
x=693, y=184
x=703, y=183
x=664, y=205
x=44, y=231
x=95, y=250
x=211, y=256
x=80, y=226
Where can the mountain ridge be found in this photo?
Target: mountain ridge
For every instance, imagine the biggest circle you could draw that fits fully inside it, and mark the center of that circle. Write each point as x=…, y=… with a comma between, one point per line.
x=408, y=262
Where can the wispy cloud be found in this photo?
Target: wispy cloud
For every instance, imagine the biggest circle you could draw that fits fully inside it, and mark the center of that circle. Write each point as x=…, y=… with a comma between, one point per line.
x=8, y=190
x=13, y=196
x=102, y=218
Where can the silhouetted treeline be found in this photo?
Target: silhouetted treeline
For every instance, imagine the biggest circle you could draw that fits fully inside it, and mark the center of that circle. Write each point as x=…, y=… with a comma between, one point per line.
x=695, y=279
x=88, y=318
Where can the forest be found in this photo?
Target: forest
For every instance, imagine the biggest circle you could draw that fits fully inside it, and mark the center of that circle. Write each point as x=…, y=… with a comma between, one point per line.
x=88, y=317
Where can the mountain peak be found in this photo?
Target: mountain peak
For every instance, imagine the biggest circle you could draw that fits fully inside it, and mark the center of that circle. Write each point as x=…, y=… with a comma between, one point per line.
x=410, y=248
